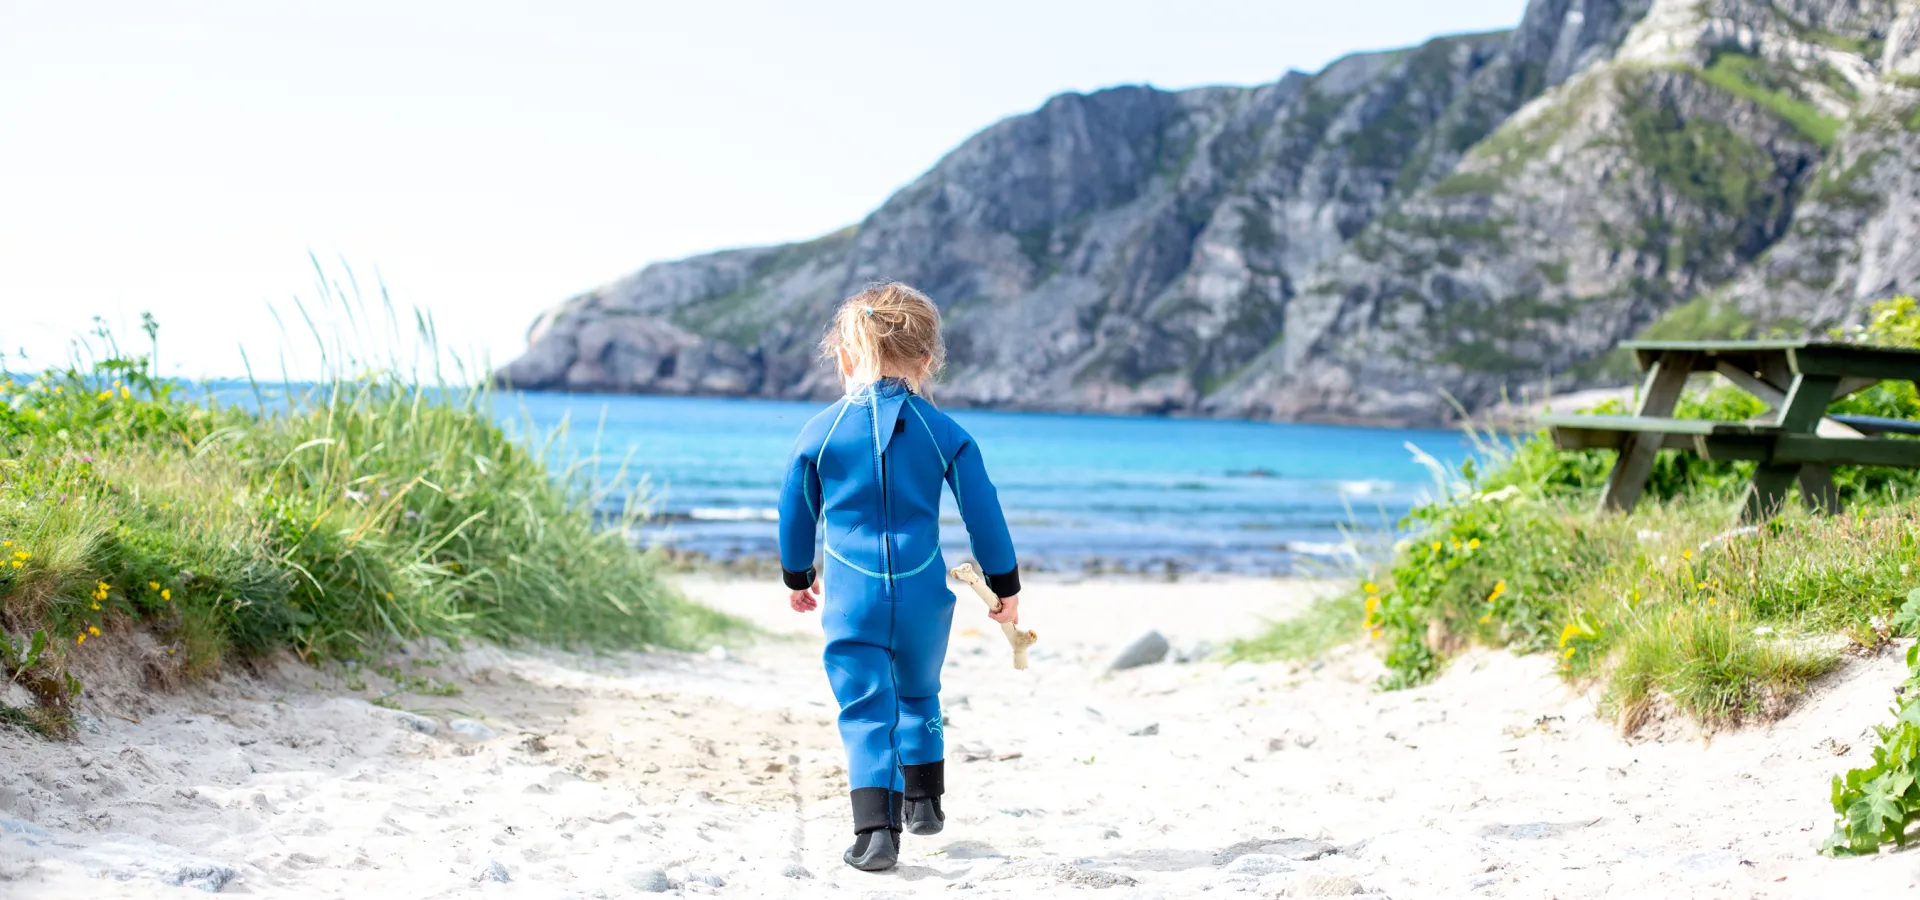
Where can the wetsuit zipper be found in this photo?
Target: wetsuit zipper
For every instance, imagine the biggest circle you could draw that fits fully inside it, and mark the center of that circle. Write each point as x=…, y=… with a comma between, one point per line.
x=886, y=526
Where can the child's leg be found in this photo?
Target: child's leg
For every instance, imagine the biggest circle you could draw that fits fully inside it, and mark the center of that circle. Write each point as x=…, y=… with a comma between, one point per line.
x=919, y=653
x=863, y=681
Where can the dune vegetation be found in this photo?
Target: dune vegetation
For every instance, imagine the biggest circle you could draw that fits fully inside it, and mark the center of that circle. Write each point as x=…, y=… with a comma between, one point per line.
x=1672, y=609
x=329, y=521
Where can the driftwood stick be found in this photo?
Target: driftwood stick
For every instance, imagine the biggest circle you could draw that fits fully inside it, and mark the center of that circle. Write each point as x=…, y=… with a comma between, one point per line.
x=1018, y=638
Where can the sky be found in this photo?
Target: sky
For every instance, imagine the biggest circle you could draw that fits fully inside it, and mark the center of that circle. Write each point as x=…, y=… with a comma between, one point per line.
x=486, y=160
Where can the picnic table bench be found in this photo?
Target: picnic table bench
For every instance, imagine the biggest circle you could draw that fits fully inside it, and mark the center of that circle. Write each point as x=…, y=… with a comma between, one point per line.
x=1795, y=441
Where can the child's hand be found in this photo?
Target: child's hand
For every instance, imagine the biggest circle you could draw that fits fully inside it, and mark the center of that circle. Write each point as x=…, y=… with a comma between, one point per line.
x=1009, y=610
x=805, y=600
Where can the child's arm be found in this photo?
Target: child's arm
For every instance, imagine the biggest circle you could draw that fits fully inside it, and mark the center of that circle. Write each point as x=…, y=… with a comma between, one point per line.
x=799, y=519
x=986, y=526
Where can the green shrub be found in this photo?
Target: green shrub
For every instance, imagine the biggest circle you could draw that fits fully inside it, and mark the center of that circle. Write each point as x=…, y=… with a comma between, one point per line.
x=1875, y=805
x=373, y=509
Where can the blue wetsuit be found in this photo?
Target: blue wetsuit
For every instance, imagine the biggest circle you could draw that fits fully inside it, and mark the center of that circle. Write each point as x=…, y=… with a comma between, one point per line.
x=869, y=469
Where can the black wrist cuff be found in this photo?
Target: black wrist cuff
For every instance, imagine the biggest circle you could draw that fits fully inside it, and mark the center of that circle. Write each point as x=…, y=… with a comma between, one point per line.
x=797, y=581
x=1005, y=585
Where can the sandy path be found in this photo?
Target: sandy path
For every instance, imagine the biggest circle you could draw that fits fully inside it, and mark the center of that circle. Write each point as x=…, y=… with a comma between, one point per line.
x=605, y=773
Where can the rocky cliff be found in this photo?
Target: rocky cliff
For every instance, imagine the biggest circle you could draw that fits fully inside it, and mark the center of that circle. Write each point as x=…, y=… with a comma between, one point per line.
x=1479, y=215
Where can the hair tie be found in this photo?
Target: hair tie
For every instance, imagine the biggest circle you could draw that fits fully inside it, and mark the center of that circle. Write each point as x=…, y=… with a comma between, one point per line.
x=869, y=311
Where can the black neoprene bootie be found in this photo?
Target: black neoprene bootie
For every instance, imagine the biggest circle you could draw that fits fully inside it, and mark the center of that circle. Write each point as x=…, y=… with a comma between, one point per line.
x=925, y=783
x=876, y=829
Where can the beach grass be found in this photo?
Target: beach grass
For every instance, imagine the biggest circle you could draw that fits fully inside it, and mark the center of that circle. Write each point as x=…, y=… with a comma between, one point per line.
x=372, y=507
x=1670, y=606
x=1326, y=623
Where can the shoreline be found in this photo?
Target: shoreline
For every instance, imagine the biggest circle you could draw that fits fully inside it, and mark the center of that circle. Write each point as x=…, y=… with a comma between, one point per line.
x=696, y=564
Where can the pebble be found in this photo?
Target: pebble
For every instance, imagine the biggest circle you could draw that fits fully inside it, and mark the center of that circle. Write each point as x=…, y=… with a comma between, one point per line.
x=1295, y=849
x=208, y=877
x=492, y=870
x=795, y=870
x=1258, y=864
x=1197, y=653
x=1145, y=650
x=1147, y=730
x=1324, y=886
x=649, y=880
x=470, y=729
x=718, y=654
x=415, y=722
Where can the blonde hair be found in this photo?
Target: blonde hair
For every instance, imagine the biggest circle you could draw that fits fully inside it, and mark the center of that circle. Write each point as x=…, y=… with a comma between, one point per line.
x=892, y=328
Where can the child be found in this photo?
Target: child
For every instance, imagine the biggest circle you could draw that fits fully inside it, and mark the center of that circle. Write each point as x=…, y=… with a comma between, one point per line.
x=870, y=468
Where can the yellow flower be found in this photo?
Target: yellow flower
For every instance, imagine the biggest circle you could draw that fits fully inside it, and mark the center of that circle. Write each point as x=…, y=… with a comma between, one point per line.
x=1486, y=618
x=105, y=395
x=80, y=639
x=1687, y=553
x=389, y=595
x=96, y=606
x=1569, y=633
x=166, y=593
x=1370, y=588
x=22, y=554
x=6, y=543
x=153, y=585
x=1473, y=544
x=16, y=564
x=1499, y=587
x=93, y=631
x=1567, y=654
x=125, y=393
x=1456, y=543
x=1436, y=547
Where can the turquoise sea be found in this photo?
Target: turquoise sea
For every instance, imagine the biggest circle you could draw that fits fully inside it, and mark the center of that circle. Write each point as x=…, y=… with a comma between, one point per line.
x=1080, y=491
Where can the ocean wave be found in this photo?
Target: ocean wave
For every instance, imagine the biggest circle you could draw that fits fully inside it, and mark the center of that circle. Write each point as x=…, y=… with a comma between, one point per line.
x=1364, y=488
x=733, y=514
x=1322, y=548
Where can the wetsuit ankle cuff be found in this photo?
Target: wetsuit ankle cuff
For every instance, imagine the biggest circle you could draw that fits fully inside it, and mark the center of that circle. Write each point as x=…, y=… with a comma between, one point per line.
x=1005, y=585
x=797, y=581
x=924, y=781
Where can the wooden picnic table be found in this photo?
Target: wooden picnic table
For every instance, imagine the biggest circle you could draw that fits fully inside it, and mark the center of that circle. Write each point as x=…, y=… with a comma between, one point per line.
x=1795, y=441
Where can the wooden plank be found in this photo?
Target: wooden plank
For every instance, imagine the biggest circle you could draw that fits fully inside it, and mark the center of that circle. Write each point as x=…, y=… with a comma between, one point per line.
x=1800, y=412
x=1842, y=360
x=1569, y=437
x=1665, y=380
x=1775, y=397
x=1806, y=448
x=1630, y=423
x=1749, y=382
x=1769, y=491
x=1722, y=448
x=1719, y=346
x=1818, y=491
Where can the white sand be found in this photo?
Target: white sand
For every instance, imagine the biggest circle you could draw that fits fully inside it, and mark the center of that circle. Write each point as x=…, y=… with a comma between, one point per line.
x=1496, y=781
